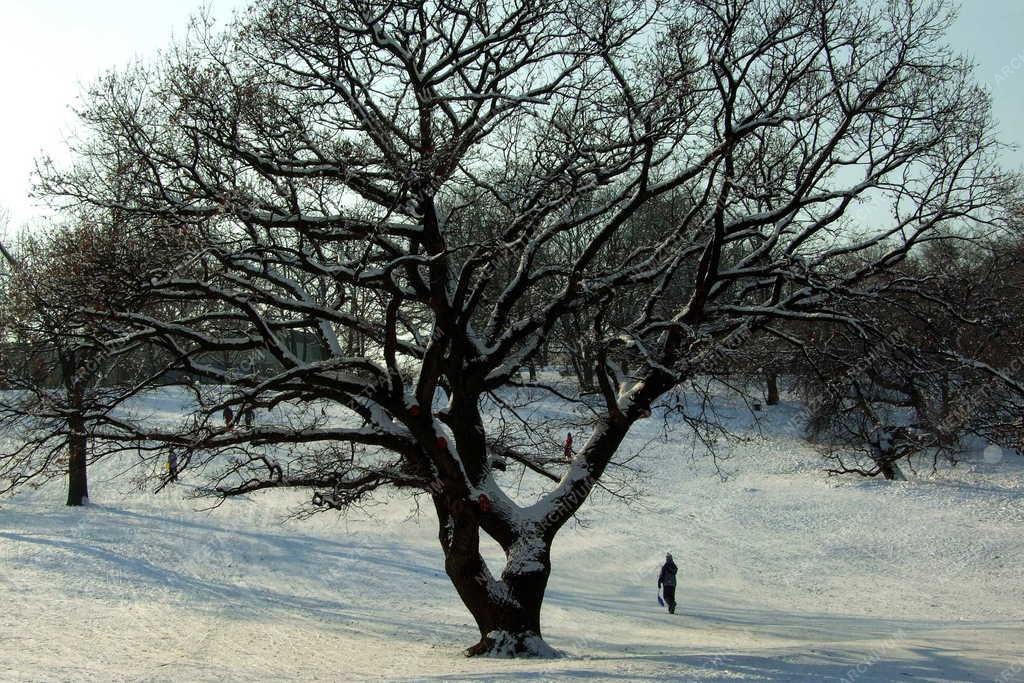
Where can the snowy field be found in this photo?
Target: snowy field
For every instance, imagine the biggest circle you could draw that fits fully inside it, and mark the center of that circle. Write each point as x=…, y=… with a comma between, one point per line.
x=786, y=574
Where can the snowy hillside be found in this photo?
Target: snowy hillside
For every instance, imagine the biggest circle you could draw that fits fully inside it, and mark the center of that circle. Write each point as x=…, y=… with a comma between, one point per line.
x=785, y=575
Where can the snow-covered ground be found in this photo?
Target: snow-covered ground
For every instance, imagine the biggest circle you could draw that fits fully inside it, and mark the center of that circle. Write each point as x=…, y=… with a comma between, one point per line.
x=785, y=575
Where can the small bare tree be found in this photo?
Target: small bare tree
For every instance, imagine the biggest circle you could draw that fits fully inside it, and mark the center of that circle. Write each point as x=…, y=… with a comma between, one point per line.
x=63, y=372
x=936, y=372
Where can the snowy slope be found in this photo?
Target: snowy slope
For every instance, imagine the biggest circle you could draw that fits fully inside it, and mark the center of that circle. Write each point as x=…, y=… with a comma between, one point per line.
x=785, y=575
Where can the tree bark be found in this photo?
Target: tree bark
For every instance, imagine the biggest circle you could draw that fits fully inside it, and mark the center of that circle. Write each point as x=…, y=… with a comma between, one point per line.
x=78, y=476
x=772, y=381
x=506, y=609
x=891, y=471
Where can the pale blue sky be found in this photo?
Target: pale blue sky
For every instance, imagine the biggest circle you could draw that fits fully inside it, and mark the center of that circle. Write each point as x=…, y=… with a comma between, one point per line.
x=50, y=48
x=49, y=51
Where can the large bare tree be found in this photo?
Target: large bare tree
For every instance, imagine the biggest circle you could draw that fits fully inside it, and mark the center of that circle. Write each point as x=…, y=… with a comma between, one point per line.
x=452, y=181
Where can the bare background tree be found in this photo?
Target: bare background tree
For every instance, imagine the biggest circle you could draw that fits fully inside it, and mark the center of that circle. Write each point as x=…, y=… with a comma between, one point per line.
x=63, y=372
x=943, y=365
x=50, y=365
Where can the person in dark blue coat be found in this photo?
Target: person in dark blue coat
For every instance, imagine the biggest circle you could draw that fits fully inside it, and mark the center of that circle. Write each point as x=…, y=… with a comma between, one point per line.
x=667, y=583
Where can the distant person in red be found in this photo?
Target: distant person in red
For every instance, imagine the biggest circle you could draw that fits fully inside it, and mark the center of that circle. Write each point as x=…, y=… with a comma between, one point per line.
x=568, y=447
x=667, y=583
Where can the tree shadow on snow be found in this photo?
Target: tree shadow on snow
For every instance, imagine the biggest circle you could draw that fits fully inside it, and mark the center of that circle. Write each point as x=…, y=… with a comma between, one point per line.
x=282, y=576
x=303, y=576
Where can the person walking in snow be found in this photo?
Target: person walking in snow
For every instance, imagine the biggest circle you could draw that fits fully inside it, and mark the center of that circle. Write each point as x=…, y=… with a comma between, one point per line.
x=667, y=583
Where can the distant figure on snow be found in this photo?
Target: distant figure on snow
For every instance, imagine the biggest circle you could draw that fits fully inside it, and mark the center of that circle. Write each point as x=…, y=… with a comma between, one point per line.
x=172, y=466
x=667, y=583
x=229, y=418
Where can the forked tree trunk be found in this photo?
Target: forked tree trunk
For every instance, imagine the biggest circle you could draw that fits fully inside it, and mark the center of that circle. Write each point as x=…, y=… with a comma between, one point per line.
x=506, y=608
x=78, y=476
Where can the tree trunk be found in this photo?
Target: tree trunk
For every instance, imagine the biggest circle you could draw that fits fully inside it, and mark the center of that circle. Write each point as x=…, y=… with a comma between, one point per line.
x=891, y=471
x=772, y=381
x=78, y=477
x=583, y=366
x=506, y=609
